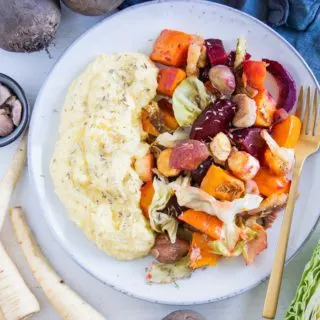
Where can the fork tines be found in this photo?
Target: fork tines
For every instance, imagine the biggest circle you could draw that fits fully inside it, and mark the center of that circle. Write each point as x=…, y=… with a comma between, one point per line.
x=308, y=112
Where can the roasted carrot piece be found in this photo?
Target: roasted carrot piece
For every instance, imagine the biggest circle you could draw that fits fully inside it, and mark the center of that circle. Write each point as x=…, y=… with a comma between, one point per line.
x=147, y=125
x=169, y=79
x=268, y=183
x=171, y=48
x=147, y=192
x=163, y=164
x=167, y=114
x=222, y=185
x=266, y=107
x=254, y=74
x=200, y=252
x=203, y=222
x=287, y=132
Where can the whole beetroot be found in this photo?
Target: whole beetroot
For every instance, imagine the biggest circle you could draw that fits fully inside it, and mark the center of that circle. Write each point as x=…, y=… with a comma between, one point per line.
x=184, y=315
x=28, y=25
x=92, y=7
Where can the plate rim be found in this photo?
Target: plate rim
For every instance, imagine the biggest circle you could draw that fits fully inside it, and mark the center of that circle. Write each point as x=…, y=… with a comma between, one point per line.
x=31, y=172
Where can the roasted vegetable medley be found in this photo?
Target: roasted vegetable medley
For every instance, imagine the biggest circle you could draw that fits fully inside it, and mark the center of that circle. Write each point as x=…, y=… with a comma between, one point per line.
x=221, y=153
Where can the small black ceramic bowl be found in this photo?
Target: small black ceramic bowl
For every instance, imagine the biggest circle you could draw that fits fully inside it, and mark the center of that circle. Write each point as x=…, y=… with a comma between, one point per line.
x=15, y=88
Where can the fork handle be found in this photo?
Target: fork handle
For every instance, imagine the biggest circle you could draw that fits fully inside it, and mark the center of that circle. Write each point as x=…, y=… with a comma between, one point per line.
x=272, y=296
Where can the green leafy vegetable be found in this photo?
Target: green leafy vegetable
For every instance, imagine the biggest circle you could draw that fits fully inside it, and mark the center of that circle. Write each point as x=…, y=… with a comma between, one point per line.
x=159, y=221
x=240, y=52
x=306, y=303
x=168, y=273
x=189, y=99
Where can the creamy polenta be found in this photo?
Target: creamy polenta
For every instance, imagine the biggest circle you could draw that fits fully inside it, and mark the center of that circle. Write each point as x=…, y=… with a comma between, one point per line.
x=100, y=137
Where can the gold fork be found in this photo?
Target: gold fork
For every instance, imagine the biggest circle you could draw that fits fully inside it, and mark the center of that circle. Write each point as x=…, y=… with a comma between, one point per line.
x=308, y=144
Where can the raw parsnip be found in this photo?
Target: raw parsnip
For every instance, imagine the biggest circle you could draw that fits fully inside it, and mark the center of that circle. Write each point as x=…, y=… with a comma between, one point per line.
x=8, y=183
x=66, y=302
x=16, y=300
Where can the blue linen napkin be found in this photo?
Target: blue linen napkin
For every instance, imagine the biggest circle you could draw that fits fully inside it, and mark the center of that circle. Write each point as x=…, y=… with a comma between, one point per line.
x=296, y=20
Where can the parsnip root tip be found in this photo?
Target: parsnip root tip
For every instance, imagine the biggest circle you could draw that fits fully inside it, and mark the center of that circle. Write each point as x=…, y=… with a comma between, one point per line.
x=66, y=301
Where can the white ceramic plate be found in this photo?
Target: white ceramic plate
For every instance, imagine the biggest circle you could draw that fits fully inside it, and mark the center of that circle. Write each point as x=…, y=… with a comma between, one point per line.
x=135, y=30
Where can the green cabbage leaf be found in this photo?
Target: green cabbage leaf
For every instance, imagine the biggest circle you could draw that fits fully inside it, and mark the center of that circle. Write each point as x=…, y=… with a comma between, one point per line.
x=306, y=303
x=159, y=221
x=168, y=273
x=188, y=100
x=169, y=140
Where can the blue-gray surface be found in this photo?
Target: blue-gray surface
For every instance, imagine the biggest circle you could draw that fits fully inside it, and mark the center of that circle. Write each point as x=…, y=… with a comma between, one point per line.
x=297, y=20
